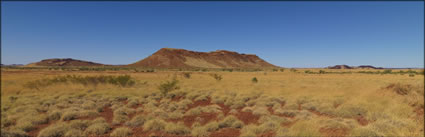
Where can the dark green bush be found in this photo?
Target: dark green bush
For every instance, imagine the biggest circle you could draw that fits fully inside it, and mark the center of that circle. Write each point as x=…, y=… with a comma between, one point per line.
x=254, y=80
x=168, y=86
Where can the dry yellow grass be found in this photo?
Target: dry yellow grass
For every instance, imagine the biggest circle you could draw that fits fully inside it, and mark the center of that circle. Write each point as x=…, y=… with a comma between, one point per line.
x=367, y=95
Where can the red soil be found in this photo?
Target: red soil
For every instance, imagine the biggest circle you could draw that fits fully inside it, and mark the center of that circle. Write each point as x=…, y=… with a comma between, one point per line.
x=225, y=109
x=199, y=103
x=108, y=114
x=267, y=134
x=334, y=132
x=362, y=121
x=226, y=132
x=247, y=117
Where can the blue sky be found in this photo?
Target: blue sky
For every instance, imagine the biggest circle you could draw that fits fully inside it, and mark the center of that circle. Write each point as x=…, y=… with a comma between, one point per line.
x=288, y=34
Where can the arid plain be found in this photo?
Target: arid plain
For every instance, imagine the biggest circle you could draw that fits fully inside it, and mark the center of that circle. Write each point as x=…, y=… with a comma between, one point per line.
x=281, y=102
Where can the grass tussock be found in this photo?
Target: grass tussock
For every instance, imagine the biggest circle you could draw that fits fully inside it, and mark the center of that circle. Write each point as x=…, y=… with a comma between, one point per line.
x=122, y=132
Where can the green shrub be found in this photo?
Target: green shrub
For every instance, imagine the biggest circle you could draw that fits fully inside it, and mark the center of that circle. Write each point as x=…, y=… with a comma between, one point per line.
x=122, y=132
x=168, y=86
x=293, y=70
x=254, y=80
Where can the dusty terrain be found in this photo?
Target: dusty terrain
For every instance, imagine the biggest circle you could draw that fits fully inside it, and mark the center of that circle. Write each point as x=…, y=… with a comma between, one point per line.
x=287, y=102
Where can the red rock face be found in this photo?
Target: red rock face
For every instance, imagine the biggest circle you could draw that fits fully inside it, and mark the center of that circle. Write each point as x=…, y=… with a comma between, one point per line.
x=178, y=58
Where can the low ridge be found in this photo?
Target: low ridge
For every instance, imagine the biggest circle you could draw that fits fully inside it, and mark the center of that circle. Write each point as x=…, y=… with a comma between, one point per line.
x=63, y=62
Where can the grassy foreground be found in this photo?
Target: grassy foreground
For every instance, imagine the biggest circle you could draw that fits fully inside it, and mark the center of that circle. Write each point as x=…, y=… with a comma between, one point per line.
x=52, y=103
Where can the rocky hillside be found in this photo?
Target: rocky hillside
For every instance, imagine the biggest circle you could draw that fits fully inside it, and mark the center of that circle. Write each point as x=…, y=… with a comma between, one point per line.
x=63, y=62
x=181, y=58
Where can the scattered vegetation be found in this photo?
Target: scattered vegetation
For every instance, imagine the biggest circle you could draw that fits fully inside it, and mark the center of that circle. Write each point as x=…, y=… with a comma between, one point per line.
x=216, y=76
x=122, y=81
x=168, y=86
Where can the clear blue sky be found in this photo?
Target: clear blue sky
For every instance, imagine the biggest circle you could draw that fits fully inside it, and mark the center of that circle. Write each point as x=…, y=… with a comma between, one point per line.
x=288, y=34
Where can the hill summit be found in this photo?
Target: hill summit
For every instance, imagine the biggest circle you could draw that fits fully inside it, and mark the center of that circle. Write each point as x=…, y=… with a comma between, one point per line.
x=181, y=58
x=63, y=62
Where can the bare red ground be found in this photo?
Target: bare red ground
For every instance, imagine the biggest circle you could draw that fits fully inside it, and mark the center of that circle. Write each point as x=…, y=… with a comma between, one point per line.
x=267, y=134
x=247, y=117
x=199, y=103
x=225, y=109
x=334, y=132
x=226, y=132
x=108, y=114
x=270, y=109
x=362, y=121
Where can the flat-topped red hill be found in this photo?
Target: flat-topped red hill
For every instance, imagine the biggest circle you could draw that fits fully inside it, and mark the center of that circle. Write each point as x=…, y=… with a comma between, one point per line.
x=181, y=58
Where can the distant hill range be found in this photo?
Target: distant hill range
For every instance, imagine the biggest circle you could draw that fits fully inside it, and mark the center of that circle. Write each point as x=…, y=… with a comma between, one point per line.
x=177, y=58
x=353, y=67
x=66, y=62
x=181, y=58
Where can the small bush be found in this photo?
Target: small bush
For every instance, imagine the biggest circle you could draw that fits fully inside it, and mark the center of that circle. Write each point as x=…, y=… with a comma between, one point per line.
x=98, y=129
x=13, y=133
x=122, y=132
x=254, y=80
x=199, y=132
x=70, y=115
x=229, y=122
x=79, y=124
x=55, y=130
x=168, y=86
x=187, y=75
x=136, y=121
x=118, y=119
x=216, y=76
x=176, y=129
x=155, y=125
x=74, y=133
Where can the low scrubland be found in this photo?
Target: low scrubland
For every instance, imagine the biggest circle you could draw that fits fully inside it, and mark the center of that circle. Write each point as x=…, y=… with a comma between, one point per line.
x=171, y=103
